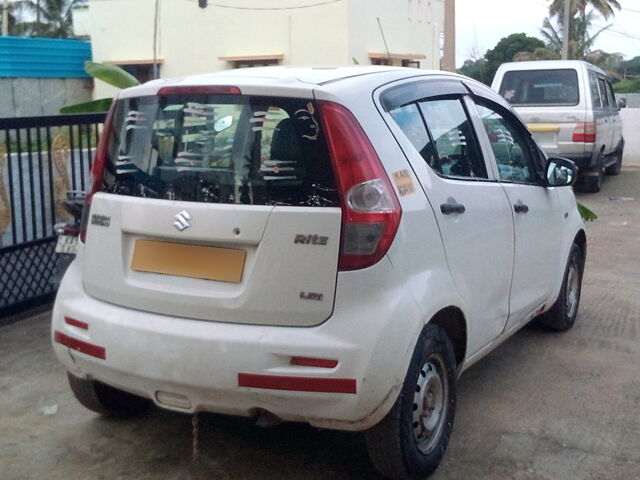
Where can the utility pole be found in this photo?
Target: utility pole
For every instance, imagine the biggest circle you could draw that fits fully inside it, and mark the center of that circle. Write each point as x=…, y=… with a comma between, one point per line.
x=448, y=62
x=567, y=29
x=5, y=18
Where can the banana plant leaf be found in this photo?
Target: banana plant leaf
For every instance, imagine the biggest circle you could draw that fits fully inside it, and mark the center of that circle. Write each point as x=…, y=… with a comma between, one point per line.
x=586, y=214
x=95, y=106
x=111, y=74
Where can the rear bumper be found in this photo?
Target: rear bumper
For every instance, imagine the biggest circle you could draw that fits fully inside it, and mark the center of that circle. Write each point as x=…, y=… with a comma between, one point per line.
x=192, y=365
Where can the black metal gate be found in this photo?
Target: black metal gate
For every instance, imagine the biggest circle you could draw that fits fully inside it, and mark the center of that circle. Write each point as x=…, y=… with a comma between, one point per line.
x=41, y=158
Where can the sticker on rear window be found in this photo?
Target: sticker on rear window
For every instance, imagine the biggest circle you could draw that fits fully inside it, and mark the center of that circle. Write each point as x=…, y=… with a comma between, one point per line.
x=404, y=182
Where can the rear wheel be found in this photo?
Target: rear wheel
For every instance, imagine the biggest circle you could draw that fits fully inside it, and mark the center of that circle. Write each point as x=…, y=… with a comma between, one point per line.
x=592, y=183
x=562, y=314
x=107, y=400
x=614, y=169
x=411, y=440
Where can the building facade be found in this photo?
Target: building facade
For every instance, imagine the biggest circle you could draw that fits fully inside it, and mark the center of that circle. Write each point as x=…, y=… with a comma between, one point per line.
x=179, y=37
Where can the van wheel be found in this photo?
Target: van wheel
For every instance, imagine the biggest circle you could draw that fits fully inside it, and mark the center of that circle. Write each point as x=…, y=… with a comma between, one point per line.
x=107, y=400
x=614, y=169
x=411, y=440
x=562, y=315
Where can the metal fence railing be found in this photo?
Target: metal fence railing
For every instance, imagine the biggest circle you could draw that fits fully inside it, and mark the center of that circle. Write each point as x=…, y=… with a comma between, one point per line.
x=41, y=158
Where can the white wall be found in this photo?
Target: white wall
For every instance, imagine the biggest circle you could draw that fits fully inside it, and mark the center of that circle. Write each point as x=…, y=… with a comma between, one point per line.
x=191, y=39
x=409, y=26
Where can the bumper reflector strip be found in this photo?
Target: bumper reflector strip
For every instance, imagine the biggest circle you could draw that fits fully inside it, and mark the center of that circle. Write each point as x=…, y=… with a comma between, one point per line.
x=314, y=362
x=79, y=345
x=76, y=323
x=299, y=384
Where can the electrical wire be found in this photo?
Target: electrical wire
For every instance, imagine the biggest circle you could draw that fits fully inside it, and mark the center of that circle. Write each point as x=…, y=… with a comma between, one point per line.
x=311, y=5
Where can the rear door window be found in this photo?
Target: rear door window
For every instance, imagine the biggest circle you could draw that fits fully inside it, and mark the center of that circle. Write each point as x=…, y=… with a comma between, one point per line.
x=595, y=93
x=610, y=96
x=441, y=132
x=603, y=92
x=220, y=149
x=541, y=87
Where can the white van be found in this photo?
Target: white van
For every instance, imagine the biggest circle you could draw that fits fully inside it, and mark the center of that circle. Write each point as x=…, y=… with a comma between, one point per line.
x=570, y=109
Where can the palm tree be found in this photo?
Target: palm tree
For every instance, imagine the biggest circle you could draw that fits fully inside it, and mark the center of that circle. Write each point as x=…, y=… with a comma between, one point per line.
x=580, y=41
x=52, y=17
x=603, y=7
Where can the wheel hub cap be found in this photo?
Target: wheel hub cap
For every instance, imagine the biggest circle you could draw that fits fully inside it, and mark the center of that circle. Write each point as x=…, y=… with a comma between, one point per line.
x=429, y=405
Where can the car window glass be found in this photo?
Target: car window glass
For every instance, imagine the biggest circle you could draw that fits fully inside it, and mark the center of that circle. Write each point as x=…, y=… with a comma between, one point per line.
x=610, y=96
x=541, y=87
x=510, y=148
x=603, y=89
x=219, y=149
x=456, y=151
x=595, y=94
x=409, y=119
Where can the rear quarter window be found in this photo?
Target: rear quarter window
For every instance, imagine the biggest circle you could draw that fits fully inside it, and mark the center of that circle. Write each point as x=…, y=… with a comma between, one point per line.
x=541, y=87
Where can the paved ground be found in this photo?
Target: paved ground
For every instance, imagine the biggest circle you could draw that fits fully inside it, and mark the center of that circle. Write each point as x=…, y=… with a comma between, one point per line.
x=542, y=406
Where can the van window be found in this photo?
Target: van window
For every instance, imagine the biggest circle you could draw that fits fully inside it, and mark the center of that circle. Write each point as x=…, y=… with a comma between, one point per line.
x=541, y=87
x=611, y=97
x=603, y=93
x=596, y=101
x=220, y=149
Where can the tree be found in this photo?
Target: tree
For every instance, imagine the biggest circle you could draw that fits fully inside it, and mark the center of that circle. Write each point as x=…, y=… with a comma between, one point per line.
x=52, y=17
x=507, y=48
x=476, y=69
x=542, y=53
x=603, y=7
x=580, y=40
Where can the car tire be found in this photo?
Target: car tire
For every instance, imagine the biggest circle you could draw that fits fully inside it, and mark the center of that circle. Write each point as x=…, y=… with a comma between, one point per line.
x=411, y=439
x=562, y=315
x=614, y=168
x=107, y=400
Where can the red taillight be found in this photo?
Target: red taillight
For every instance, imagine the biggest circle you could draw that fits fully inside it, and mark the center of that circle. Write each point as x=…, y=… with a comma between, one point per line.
x=584, y=132
x=97, y=171
x=370, y=208
x=200, y=90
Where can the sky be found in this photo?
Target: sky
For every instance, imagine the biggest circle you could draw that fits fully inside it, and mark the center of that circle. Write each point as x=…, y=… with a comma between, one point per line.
x=480, y=24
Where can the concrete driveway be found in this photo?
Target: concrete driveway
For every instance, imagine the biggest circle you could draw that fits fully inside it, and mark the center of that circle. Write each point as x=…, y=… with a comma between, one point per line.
x=542, y=406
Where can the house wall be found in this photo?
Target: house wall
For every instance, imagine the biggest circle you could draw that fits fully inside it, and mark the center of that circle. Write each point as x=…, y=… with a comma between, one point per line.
x=190, y=39
x=409, y=27
x=38, y=76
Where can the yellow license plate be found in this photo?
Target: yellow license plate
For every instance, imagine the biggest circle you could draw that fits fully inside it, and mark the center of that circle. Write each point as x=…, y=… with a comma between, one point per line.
x=196, y=261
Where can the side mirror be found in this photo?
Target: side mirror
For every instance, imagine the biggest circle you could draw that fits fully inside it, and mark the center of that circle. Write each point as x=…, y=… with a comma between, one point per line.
x=561, y=172
x=622, y=103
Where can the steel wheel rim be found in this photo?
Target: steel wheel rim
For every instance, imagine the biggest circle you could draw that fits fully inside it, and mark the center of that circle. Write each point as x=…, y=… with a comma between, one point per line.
x=430, y=405
x=573, y=290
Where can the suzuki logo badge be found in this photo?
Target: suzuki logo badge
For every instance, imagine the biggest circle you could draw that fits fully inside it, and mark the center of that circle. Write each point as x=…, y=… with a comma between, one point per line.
x=182, y=220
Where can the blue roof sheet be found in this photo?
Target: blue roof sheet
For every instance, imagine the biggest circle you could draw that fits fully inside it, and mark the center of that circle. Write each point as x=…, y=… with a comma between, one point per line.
x=24, y=57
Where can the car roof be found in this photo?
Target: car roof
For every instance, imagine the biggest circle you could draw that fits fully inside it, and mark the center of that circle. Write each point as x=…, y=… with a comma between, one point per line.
x=284, y=78
x=548, y=65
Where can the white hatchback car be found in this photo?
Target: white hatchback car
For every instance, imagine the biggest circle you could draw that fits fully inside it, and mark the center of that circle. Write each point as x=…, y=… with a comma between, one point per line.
x=331, y=246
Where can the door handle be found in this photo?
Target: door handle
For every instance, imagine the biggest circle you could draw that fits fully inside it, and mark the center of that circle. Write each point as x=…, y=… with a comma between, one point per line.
x=450, y=207
x=521, y=208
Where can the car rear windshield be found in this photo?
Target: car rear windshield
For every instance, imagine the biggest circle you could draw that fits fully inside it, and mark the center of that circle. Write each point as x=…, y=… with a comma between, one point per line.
x=541, y=87
x=235, y=149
